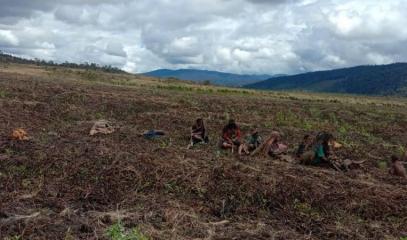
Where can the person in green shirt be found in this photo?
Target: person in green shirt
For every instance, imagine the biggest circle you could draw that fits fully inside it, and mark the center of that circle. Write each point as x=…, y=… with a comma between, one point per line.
x=322, y=148
x=319, y=156
x=251, y=142
x=253, y=139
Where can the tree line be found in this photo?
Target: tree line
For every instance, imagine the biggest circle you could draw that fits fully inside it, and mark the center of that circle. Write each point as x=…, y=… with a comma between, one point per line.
x=8, y=58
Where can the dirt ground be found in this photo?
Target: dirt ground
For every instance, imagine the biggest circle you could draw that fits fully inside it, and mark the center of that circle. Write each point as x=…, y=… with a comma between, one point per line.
x=65, y=184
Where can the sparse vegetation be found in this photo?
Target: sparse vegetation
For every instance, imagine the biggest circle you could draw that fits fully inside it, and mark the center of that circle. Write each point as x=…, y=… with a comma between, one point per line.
x=13, y=238
x=118, y=232
x=65, y=184
x=3, y=94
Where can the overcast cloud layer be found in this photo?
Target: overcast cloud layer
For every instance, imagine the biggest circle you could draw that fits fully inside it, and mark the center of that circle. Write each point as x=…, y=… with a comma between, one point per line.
x=240, y=36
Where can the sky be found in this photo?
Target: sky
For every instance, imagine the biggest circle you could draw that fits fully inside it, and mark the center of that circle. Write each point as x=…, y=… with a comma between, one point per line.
x=239, y=36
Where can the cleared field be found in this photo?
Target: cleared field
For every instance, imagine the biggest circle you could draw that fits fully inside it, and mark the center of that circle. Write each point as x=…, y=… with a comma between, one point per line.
x=65, y=184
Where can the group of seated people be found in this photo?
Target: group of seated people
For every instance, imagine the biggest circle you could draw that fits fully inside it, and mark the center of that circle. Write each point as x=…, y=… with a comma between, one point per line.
x=231, y=138
x=313, y=150
x=251, y=144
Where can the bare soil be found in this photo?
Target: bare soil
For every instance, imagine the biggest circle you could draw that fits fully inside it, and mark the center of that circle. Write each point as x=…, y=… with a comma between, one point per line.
x=65, y=184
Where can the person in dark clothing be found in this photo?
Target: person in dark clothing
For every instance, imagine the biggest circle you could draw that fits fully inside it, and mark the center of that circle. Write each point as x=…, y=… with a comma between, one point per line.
x=304, y=146
x=231, y=136
x=198, y=133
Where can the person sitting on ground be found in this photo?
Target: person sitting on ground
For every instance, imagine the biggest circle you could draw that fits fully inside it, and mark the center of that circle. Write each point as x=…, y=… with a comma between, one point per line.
x=251, y=142
x=231, y=136
x=304, y=146
x=272, y=146
x=397, y=168
x=323, y=155
x=198, y=133
x=322, y=150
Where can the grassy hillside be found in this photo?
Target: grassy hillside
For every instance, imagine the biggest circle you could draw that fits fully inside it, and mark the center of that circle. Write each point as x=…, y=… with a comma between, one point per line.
x=65, y=184
x=367, y=80
x=200, y=76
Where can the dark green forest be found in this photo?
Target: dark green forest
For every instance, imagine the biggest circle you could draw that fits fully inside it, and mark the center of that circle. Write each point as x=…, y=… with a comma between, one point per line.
x=367, y=80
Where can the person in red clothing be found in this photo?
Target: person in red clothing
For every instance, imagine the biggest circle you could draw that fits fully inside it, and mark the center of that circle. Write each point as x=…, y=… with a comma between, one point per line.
x=231, y=136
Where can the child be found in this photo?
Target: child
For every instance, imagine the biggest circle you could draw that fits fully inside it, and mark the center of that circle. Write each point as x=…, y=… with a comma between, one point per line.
x=252, y=141
x=304, y=146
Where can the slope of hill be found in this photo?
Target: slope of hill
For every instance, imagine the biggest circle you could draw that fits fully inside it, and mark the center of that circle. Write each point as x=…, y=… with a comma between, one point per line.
x=8, y=58
x=368, y=80
x=65, y=184
x=218, y=78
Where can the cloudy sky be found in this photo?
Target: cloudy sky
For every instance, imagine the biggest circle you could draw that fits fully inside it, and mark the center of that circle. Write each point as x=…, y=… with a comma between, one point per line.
x=240, y=36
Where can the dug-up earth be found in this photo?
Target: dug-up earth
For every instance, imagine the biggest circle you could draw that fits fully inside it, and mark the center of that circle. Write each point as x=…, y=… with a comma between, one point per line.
x=63, y=183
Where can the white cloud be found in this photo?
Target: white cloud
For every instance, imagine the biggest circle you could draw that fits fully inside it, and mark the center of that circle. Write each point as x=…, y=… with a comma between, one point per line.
x=7, y=38
x=242, y=36
x=115, y=49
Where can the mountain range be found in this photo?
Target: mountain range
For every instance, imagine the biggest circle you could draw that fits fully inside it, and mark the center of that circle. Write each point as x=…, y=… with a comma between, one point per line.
x=382, y=80
x=388, y=79
x=217, y=78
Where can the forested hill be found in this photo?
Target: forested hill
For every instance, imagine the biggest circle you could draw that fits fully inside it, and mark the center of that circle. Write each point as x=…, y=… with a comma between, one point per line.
x=368, y=80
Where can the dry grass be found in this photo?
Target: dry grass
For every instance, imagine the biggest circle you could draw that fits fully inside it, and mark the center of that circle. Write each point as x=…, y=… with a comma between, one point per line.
x=64, y=184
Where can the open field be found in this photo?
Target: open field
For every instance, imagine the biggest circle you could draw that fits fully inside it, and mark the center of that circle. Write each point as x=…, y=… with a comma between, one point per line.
x=65, y=184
